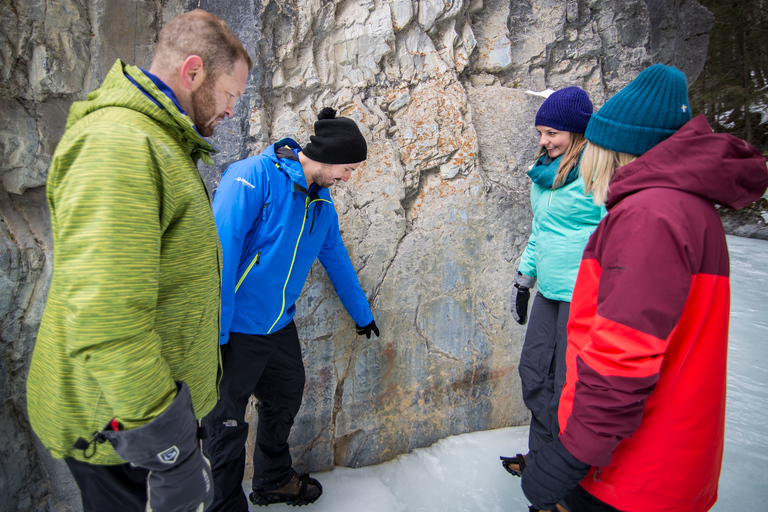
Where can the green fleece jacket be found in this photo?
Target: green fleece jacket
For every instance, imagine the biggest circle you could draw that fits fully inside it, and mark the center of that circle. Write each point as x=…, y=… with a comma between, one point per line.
x=134, y=299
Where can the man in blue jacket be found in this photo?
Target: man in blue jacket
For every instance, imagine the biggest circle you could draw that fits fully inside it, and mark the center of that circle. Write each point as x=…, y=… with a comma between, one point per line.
x=275, y=216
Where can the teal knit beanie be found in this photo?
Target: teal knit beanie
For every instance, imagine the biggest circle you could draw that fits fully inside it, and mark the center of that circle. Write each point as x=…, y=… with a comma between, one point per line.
x=648, y=110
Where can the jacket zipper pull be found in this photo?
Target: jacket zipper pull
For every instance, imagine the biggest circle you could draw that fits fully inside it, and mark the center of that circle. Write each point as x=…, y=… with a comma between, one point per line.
x=313, y=220
x=596, y=476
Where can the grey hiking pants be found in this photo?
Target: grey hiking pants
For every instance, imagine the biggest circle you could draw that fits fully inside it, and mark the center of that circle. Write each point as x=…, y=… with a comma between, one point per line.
x=542, y=368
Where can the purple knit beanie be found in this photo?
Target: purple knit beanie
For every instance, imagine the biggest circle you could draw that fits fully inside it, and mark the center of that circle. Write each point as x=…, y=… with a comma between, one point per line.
x=567, y=110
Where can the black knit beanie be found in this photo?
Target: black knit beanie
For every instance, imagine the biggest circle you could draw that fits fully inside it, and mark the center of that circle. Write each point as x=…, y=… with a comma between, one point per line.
x=337, y=140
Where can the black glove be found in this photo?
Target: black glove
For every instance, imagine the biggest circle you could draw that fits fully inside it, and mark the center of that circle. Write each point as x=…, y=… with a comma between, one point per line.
x=180, y=478
x=551, y=474
x=367, y=329
x=521, y=294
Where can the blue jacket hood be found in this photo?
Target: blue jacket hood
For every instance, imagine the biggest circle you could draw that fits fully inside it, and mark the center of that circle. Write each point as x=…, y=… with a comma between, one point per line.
x=292, y=168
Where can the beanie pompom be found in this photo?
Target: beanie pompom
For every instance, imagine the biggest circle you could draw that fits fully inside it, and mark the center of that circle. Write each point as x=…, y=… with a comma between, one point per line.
x=326, y=113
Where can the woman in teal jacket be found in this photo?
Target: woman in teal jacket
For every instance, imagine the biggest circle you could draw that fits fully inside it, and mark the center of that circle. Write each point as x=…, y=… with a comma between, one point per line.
x=563, y=220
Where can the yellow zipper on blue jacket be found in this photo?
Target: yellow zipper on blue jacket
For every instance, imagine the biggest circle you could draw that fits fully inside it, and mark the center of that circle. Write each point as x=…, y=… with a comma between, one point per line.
x=307, y=202
x=254, y=260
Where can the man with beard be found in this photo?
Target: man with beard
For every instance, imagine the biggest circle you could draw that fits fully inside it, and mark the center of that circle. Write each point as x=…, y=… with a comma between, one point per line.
x=127, y=349
x=275, y=217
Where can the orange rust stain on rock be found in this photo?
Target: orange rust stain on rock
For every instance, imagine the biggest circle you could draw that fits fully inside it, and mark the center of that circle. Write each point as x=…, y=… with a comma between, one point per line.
x=389, y=353
x=435, y=118
x=394, y=396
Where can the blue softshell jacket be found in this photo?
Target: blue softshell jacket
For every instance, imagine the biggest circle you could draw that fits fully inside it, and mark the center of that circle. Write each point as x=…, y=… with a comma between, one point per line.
x=272, y=228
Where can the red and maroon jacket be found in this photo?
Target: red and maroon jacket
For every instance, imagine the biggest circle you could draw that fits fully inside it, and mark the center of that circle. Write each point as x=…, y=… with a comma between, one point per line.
x=644, y=400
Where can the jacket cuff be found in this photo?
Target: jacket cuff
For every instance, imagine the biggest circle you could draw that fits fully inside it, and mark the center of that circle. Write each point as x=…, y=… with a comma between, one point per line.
x=165, y=441
x=525, y=280
x=588, y=446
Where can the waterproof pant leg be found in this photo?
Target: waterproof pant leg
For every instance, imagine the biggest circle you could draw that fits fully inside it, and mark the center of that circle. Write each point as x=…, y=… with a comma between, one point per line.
x=120, y=488
x=245, y=359
x=542, y=368
x=279, y=392
x=579, y=500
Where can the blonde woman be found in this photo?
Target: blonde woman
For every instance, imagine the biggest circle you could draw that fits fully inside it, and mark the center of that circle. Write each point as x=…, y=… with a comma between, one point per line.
x=642, y=412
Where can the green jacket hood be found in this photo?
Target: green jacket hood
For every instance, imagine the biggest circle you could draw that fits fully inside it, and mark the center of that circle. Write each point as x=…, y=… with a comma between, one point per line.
x=118, y=91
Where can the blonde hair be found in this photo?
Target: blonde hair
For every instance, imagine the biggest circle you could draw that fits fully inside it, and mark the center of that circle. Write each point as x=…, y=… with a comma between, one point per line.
x=203, y=34
x=598, y=166
x=570, y=158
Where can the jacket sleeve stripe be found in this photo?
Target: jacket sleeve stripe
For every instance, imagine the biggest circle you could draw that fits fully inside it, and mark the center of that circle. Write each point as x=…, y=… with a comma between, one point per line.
x=616, y=349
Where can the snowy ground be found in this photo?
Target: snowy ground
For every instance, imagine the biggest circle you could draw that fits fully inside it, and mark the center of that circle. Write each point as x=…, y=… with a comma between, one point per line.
x=463, y=473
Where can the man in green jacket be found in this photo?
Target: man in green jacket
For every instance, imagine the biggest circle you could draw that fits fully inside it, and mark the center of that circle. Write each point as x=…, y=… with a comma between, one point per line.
x=127, y=351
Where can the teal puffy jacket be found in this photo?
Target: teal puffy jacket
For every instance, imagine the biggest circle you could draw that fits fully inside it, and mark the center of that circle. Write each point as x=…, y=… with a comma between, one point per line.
x=563, y=220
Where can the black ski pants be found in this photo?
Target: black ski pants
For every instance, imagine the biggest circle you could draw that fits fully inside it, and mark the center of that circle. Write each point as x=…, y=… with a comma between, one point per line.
x=542, y=368
x=121, y=488
x=579, y=500
x=269, y=367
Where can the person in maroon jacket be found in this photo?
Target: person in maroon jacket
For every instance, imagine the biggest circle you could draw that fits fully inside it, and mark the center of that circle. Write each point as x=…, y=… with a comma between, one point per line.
x=642, y=413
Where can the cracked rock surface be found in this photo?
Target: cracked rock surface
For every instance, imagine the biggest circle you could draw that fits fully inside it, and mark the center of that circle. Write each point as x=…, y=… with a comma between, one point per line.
x=435, y=220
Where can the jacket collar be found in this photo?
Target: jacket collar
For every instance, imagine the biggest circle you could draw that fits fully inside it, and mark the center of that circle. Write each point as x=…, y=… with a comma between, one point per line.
x=202, y=147
x=162, y=86
x=545, y=169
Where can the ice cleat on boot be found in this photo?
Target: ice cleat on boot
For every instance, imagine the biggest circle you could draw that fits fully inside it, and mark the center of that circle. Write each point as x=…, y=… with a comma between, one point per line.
x=518, y=459
x=300, y=490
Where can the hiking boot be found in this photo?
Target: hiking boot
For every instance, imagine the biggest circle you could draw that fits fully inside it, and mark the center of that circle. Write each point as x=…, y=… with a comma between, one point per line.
x=300, y=490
